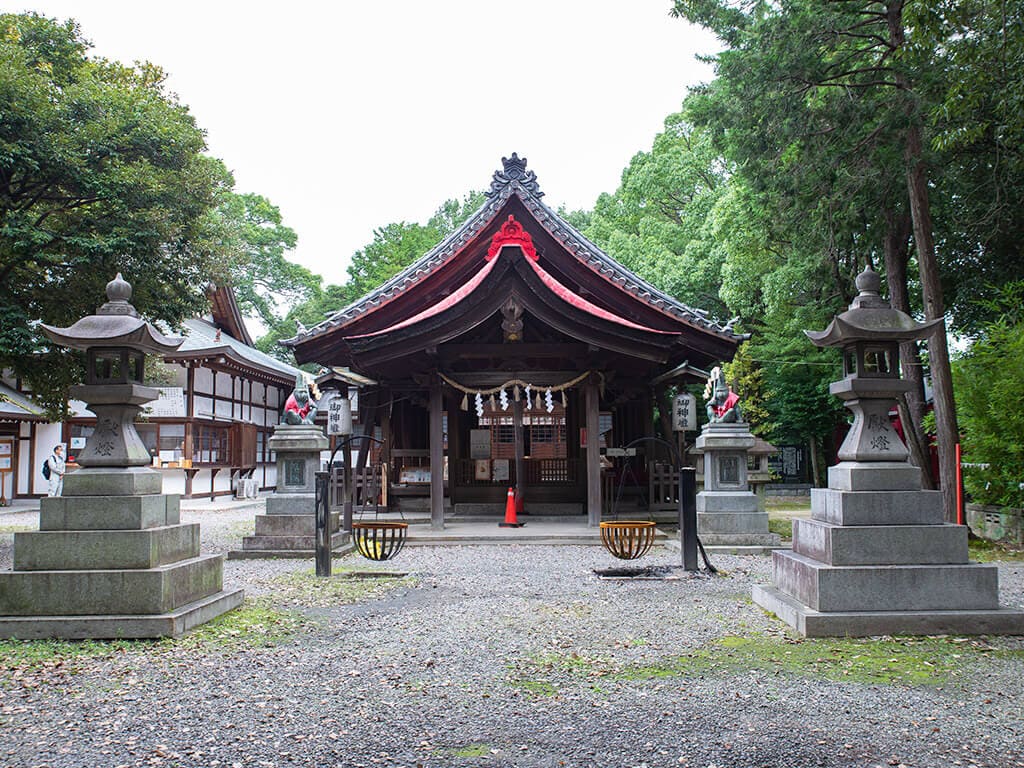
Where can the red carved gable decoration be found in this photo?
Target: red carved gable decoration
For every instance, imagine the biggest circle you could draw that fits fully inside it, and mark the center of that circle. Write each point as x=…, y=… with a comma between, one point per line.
x=512, y=233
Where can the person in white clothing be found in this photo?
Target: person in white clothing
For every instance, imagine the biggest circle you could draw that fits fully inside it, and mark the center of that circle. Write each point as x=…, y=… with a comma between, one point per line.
x=57, y=468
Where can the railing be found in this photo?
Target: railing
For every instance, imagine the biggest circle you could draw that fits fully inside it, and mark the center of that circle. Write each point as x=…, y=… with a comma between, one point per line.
x=536, y=472
x=663, y=486
x=365, y=486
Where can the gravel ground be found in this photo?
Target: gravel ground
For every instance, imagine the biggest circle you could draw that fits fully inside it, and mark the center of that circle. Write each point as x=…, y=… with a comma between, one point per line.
x=511, y=656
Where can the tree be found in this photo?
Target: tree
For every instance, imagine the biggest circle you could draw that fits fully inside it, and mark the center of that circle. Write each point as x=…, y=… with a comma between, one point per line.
x=264, y=281
x=989, y=379
x=100, y=171
x=658, y=222
x=811, y=81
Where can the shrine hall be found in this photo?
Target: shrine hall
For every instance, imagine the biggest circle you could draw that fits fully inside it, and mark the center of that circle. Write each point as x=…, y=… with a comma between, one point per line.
x=517, y=354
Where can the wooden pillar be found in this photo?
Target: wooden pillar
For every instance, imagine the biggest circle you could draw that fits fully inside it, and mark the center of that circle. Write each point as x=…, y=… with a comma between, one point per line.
x=517, y=425
x=436, y=457
x=385, y=449
x=591, y=417
x=454, y=444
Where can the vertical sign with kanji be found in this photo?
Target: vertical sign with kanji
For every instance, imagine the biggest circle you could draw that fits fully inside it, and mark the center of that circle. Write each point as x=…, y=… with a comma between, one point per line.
x=684, y=413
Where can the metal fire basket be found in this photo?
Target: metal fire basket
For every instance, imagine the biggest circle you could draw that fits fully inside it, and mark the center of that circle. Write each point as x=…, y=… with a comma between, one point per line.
x=627, y=539
x=379, y=541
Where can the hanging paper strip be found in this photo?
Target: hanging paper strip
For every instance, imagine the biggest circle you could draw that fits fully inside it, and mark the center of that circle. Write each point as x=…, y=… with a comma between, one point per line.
x=503, y=397
x=528, y=404
x=549, y=403
x=479, y=405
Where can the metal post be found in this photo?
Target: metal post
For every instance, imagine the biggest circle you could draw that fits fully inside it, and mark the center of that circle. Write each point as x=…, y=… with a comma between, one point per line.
x=688, y=516
x=348, y=490
x=323, y=528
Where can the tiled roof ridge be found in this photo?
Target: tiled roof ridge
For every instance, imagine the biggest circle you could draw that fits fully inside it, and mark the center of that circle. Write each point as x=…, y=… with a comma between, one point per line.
x=513, y=178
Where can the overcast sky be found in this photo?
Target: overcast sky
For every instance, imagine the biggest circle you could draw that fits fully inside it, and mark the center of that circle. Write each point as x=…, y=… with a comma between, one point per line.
x=352, y=115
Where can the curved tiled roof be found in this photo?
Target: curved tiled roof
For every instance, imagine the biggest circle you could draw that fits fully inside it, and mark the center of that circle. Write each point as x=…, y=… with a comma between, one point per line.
x=514, y=179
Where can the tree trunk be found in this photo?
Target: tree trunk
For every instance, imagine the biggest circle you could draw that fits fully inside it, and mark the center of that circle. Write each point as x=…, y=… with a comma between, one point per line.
x=947, y=433
x=812, y=446
x=897, y=254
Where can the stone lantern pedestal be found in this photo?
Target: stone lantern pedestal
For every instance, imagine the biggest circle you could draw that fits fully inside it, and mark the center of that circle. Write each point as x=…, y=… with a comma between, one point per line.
x=727, y=510
x=876, y=557
x=288, y=529
x=111, y=558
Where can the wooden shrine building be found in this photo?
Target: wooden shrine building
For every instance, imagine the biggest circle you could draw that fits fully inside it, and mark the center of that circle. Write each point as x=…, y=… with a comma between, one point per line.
x=510, y=355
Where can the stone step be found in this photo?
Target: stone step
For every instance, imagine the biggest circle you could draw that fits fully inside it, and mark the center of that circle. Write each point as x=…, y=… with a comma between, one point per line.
x=106, y=513
x=874, y=476
x=885, y=587
x=830, y=505
x=170, y=624
x=880, y=545
x=811, y=623
x=292, y=525
x=538, y=508
x=105, y=550
x=730, y=523
x=110, y=592
x=724, y=502
x=289, y=543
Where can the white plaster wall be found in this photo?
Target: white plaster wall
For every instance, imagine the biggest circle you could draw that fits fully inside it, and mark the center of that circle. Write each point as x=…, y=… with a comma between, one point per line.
x=203, y=407
x=204, y=380
x=174, y=480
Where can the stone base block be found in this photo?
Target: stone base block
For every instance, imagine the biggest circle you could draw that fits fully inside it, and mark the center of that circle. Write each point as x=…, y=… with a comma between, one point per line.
x=877, y=545
x=811, y=623
x=759, y=541
x=107, y=513
x=874, y=476
x=876, y=507
x=110, y=592
x=105, y=550
x=289, y=543
x=170, y=624
x=727, y=501
x=291, y=504
x=828, y=588
x=731, y=523
x=113, y=481
x=292, y=525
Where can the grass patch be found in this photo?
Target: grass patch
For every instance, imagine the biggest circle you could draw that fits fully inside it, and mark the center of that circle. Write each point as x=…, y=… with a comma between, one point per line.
x=781, y=526
x=897, y=661
x=471, y=750
x=254, y=623
x=787, y=502
x=18, y=528
x=58, y=655
x=306, y=589
x=538, y=688
x=986, y=551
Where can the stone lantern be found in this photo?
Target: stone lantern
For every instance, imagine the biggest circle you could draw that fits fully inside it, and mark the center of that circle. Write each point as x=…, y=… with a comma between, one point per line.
x=111, y=558
x=870, y=333
x=876, y=556
x=115, y=341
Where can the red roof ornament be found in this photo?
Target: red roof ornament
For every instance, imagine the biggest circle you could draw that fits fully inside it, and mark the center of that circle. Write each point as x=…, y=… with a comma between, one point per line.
x=512, y=233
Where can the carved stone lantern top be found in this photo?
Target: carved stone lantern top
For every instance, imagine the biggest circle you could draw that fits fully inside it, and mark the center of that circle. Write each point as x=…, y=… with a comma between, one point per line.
x=115, y=324
x=870, y=318
x=116, y=341
x=870, y=333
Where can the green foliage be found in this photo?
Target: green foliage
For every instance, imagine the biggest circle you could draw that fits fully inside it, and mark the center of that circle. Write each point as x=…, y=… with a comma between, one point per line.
x=264, y=280
x=101, y=171
x=989, y=380
x=659, y=224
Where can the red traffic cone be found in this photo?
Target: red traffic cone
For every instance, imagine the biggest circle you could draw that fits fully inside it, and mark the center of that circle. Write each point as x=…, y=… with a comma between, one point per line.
x=510, y=512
